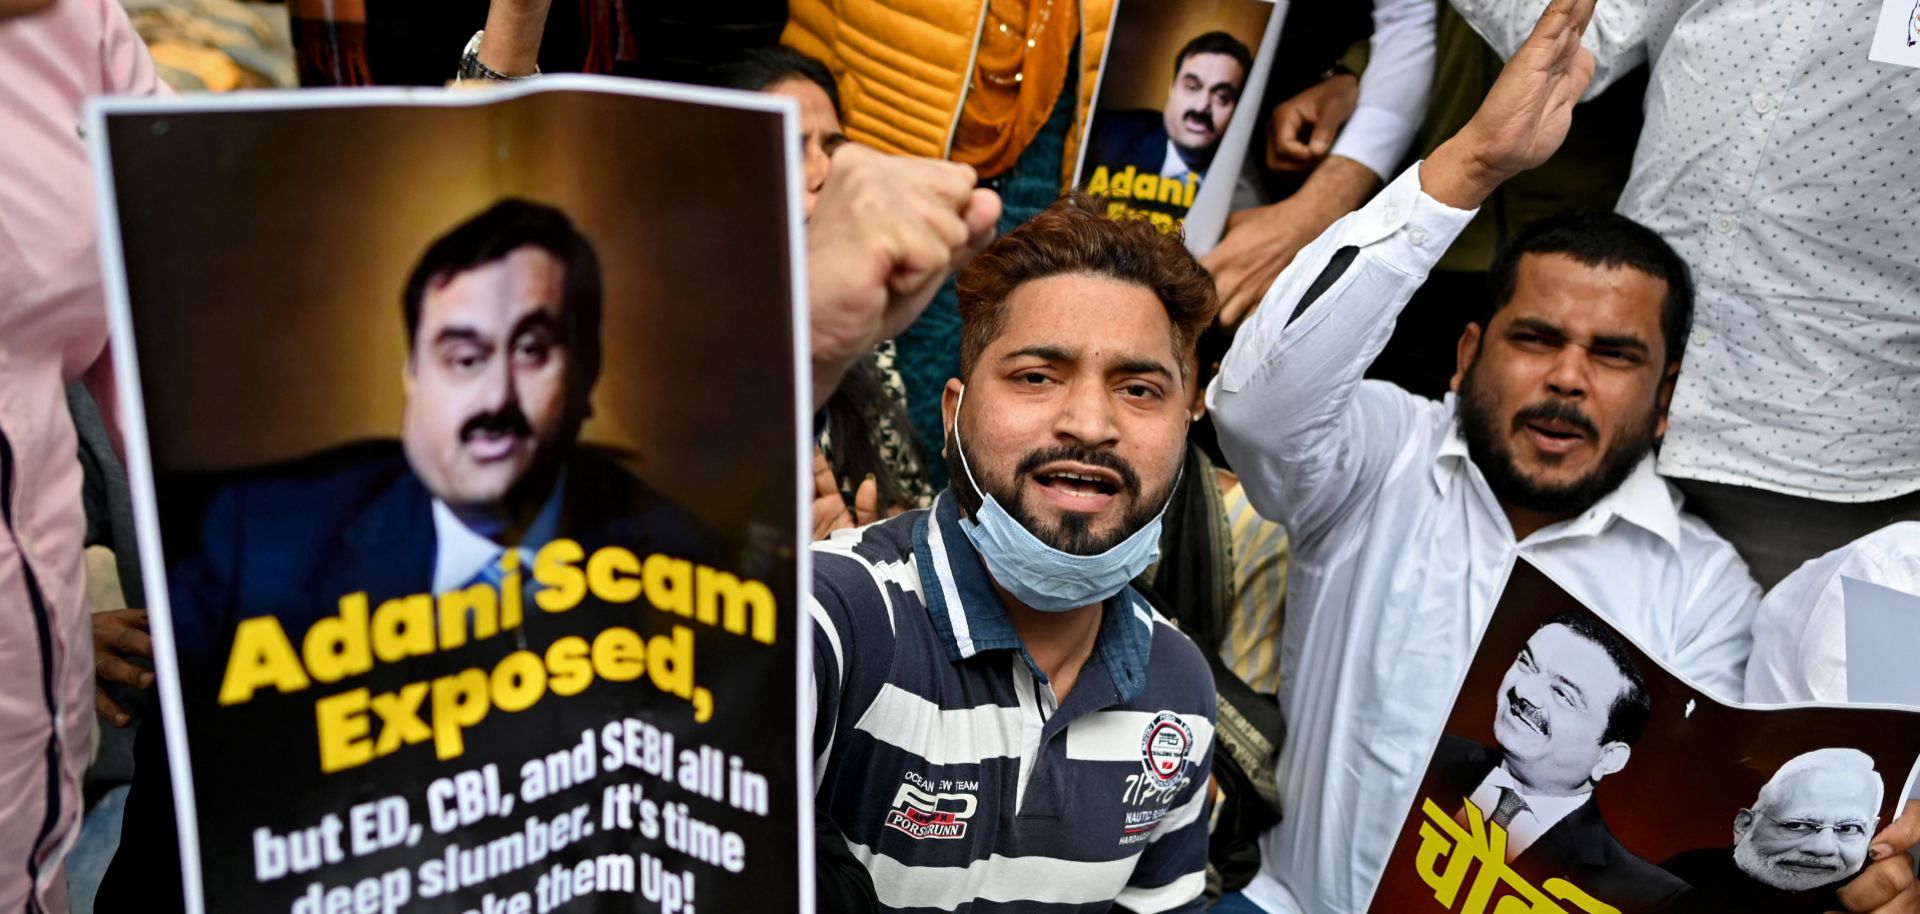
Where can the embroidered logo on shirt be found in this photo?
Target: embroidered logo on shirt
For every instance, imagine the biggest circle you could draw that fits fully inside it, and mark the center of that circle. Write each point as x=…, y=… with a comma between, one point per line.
x=1138, y=826
x=1164, y=746
x=930, y=815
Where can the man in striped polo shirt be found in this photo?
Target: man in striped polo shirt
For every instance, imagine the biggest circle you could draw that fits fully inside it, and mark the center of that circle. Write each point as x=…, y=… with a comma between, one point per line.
x=1002, y=724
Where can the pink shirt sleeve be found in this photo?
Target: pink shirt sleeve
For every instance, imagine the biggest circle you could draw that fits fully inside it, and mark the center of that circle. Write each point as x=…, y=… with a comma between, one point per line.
x=126, y=67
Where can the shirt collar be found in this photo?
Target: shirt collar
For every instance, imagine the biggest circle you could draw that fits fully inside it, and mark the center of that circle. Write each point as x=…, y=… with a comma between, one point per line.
x=968, y=616
x=1643, y=499
x=461, y=551
x=1548, y=809
x=1174, y=165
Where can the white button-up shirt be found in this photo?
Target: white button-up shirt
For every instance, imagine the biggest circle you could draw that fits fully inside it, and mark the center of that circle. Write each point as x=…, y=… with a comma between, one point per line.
x=1400, y=551
x=1779, y=161
x=1394, y=89
x=1800, y=634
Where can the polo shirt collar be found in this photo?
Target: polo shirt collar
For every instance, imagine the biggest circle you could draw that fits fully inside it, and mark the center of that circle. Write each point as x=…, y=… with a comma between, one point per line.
x=968, y=616
x=1643, y=499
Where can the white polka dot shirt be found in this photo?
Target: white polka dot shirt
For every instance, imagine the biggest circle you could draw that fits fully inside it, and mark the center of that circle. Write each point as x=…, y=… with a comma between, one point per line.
x=1785, y=167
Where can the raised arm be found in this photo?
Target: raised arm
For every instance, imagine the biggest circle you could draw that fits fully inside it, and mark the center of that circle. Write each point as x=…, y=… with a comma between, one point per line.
x=1296, y=422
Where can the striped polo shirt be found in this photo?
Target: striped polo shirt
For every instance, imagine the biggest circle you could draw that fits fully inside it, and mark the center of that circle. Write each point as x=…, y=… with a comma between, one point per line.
x=958, y=778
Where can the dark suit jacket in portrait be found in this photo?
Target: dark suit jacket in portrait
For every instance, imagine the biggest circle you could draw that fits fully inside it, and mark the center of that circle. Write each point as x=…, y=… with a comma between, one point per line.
x=1719, y=886
x=1123, y=138
x=290, y=540
x=1579, y=848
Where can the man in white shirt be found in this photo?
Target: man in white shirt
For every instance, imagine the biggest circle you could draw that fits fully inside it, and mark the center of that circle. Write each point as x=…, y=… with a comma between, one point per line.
x=1405, y=513
x=1774, y=157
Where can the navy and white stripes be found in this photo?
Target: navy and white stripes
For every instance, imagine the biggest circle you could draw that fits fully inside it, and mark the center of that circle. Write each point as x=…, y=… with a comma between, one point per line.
x=959, y=780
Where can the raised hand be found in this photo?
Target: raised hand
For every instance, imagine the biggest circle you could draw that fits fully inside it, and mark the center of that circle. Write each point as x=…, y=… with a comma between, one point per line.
x=1524, y=118
x=886, y=232
x=1323, y=108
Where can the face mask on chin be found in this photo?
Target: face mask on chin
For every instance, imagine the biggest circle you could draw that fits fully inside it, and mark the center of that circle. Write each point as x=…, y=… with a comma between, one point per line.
x=1045, y=578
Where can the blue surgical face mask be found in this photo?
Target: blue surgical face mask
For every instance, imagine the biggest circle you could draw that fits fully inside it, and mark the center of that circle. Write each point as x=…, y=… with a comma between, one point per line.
x=1039, y=575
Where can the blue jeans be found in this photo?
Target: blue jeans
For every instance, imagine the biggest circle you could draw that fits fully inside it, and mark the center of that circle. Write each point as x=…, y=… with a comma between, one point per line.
x=1236, y=903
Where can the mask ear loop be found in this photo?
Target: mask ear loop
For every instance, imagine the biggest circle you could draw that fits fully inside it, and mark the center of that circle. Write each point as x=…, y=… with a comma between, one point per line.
x=961, y=448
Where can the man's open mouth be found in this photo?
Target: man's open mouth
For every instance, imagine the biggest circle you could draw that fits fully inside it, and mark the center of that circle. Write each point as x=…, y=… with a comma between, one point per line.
x=488, y=446
x=1079, y=481
x=1557, y=430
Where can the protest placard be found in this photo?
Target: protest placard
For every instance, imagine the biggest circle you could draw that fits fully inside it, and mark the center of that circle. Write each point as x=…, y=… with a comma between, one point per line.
x=467, y=434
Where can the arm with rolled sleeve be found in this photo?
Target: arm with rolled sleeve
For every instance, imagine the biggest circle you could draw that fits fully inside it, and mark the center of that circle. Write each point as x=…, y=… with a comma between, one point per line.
x=1617, y=36
x=1395, y=87
x=1305, y=435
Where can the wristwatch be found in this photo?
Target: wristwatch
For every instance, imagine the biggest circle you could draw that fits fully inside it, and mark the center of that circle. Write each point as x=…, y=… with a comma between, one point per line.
x=1339, y=68
x=472, y=68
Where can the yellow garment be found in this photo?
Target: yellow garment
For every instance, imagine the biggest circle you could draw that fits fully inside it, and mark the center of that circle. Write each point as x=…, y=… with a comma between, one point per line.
x=1251, y=646
x=905, y=66
x=1020, y=69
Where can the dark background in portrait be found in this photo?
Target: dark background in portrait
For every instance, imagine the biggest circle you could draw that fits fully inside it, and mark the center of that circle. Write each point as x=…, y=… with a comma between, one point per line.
x=266, y=252
x=1148, y=33
x=1688, y=775
x=269, y=298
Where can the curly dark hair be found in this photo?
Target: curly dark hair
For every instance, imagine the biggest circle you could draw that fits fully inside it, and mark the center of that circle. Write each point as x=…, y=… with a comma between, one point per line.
x=1075, y=235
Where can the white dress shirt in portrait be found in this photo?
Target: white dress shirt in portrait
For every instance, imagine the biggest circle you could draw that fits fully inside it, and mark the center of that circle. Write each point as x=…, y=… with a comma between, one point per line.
x=1173, y=166
x=1540, y=815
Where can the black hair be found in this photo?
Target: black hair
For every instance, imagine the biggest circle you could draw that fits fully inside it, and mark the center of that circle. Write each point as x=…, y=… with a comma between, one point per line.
x=1628, y=716
x=1216, y=43
x=860, y=404
x=760, y=69
x=1603, y=240
x=505, y=227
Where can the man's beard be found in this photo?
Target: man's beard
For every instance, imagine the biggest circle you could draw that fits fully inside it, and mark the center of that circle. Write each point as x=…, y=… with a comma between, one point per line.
x=1766, y=870
x=1487, y=445
x=1073, y=533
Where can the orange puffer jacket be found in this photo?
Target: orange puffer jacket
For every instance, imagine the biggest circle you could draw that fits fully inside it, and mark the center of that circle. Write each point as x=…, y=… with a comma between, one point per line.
x=904, y=65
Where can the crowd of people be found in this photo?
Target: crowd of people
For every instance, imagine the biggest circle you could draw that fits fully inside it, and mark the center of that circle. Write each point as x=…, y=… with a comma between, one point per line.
x=1627, y=288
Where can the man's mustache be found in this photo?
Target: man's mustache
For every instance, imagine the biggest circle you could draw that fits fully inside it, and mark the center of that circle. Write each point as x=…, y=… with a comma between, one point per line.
x=1129, y=480
x=1806, y=861
x=507, y=420
x=1529, y=712
x=1200, y=119
x=1557, y=411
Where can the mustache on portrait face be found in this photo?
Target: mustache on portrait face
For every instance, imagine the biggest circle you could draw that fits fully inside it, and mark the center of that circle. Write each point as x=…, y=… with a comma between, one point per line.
x=1529, y=712
x=507, y=420
x=1200, y=120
